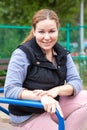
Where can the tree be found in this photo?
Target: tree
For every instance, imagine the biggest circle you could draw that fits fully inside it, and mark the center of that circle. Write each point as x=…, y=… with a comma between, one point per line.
x=16, y=12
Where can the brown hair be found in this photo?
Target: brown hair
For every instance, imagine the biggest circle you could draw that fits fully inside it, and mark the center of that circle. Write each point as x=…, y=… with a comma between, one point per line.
x=39, y=16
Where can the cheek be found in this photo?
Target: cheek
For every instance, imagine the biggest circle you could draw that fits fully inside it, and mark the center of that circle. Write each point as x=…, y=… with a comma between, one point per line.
x=55, y=37
x=38, y=39
x=38, y=36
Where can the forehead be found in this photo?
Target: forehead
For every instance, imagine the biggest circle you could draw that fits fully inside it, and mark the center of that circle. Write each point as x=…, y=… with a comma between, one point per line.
x=46, y=24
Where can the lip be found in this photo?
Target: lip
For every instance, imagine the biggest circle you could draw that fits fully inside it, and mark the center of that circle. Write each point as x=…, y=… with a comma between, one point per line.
x=47, y=43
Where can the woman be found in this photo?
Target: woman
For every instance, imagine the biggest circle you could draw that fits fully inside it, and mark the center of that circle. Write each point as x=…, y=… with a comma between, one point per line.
x=40, y=69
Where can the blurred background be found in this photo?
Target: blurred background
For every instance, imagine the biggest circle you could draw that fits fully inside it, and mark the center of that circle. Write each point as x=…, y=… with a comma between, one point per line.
x=15, y=24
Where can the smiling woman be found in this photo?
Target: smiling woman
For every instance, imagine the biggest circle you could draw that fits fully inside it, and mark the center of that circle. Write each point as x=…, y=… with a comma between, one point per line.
x=46, y=34
x=41, y=69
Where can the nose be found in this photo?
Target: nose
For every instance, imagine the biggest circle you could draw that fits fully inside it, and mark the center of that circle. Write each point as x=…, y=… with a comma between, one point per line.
x=46, y=36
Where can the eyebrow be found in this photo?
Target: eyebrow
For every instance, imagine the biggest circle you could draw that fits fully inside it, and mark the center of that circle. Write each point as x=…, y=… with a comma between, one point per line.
x=49, y=29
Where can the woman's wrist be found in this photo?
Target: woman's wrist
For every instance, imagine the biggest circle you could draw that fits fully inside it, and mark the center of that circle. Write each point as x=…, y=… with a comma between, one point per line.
x=65, y=90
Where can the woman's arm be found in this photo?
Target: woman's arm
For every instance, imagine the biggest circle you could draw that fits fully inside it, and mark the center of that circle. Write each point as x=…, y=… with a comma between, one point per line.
x=73, y=83
x=16, y=74
x=73, y=77
x=72, y=86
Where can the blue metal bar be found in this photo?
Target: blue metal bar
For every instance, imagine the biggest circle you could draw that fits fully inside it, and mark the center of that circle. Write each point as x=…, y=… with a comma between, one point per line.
x=31, y=103
x=1, y=90
x=61, y=120
x=4, y=110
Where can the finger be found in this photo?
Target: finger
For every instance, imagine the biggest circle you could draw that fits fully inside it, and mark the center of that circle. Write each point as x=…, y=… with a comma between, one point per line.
x=60, y=110
x=37, y=92
x=43, y=93
x=49, y=108
x=45, y=107
x=53, y=109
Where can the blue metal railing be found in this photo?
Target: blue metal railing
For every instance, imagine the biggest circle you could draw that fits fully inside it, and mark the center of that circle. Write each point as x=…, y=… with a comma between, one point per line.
x=32, y=103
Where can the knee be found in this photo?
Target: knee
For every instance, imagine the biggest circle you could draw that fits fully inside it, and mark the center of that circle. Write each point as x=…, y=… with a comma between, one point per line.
x=82, y=97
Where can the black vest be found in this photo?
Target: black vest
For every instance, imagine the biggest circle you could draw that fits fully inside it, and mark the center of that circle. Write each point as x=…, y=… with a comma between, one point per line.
x=41, y=73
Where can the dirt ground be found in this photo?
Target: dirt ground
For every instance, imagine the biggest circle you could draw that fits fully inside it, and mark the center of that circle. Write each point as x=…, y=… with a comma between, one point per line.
x=4, y=119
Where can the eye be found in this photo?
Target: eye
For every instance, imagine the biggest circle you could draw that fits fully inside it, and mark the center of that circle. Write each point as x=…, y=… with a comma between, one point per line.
x=41, y=31
x=52, y=31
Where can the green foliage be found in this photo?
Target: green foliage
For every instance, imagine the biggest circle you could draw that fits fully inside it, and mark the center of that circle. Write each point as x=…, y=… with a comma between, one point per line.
x=2, y=73
x=20, y=12
x=10, y=39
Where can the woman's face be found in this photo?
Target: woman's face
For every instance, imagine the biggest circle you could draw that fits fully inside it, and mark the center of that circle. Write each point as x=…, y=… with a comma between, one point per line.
x=46, y=34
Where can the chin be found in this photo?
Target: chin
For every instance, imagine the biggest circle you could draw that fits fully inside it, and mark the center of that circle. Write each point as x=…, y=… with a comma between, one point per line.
x=47, y=48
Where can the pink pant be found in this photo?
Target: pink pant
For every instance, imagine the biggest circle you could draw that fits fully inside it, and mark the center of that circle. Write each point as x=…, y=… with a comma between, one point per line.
x=75, y=115
x=75, y=111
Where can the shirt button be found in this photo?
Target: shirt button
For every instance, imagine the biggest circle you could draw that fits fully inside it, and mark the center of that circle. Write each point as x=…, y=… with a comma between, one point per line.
x=37, y=62
x=58, y=67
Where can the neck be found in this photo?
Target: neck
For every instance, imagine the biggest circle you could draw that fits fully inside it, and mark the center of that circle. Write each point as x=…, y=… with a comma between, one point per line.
x=49, y=55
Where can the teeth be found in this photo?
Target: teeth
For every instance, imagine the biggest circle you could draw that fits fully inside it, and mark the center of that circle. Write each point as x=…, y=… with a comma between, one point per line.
x=46, y=42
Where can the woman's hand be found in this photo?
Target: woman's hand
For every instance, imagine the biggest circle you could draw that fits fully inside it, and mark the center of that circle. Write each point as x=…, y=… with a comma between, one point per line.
x=52, y=92
x=39, y=92
x=50, y=104
x=64, y=90
x=48, y=101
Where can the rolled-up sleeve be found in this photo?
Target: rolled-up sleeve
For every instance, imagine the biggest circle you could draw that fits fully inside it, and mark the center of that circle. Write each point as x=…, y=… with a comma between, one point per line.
x=73, y=77
x=16, y=74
